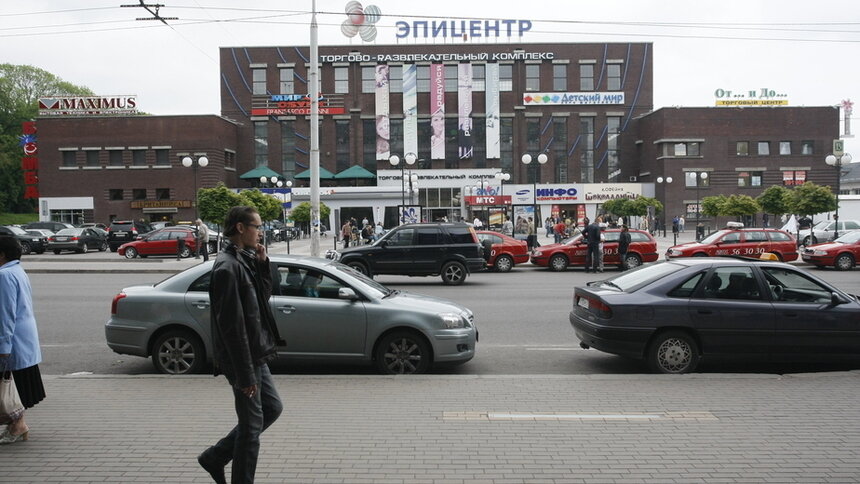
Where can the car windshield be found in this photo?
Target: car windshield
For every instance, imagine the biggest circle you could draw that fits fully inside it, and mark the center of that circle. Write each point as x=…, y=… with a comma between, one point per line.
x=70, y=231
x=821, y=225
x=17, y=230
x=633, y=280
x=850, y=238
x=714, y=236
x=573, y=240
x=361, y=277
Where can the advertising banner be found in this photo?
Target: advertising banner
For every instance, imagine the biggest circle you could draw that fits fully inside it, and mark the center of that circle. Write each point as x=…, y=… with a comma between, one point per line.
x=410, y=214
x=383, y=126
x=410, y=109
x=523, y=215
x=572, y=98
x=492, y=96
x=464, y=100
x=437, y=111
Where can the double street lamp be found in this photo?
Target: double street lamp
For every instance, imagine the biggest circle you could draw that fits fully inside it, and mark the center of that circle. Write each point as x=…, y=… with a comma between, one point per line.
x=660, y=181
x=202, y=162
x=832, y=160
x=277, y=182
x=699, y=178
x=410, y=160
x=527, y=159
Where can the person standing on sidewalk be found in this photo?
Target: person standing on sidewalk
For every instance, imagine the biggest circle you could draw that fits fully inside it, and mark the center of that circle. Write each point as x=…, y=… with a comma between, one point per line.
x=19, y=338
x=202, y=239
x=592, y=238
x=623, y=245
x=244, y=337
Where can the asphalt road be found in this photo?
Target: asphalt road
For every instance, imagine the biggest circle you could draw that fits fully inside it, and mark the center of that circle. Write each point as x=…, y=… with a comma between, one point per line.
x=521, y=316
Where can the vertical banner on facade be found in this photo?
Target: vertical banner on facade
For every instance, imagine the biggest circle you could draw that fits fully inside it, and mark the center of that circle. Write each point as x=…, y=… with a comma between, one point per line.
x=383, y=125
x=30, y=160
x=410, y=109
x=464, y=101
x=437, y=111
x=494, y=133
x=523, y=216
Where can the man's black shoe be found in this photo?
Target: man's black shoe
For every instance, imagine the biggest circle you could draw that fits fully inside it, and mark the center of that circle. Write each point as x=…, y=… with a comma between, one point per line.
x=217, y=472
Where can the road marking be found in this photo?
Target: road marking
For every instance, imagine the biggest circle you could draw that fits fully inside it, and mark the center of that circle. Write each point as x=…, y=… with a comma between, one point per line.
x=697, y=416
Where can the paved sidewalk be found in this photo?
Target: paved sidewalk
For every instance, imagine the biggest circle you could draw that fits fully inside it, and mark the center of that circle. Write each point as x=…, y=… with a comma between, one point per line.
x=453, y=429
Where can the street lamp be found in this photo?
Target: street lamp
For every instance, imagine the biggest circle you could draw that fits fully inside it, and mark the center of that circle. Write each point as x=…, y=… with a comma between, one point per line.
x=698, y=177
x=527, y=159
x=410, y=159
x=660, y=181
x=832, y=160
x=288, y=184
x=502, y=177
x=188, y=162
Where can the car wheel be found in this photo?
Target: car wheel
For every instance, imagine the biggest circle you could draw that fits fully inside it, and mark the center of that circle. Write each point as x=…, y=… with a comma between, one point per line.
x=360, y=267
x=212, y=248
x=844, y=262
x=25, y=248
x=558, y=262
x=673, y=352
x=57, y=251
x=103, y=247
x=633, y=260
x=810, y=240
x=130, y=252
x=504, y=263
x=185, y=252
x=178, y=352
x=403, y=353
x=453, y=273
x=82, y=249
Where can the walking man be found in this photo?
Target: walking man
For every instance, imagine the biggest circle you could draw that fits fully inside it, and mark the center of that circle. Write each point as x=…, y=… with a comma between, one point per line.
x=592, y=236
x=623, y=245
x=202, y=239
x=244, y=337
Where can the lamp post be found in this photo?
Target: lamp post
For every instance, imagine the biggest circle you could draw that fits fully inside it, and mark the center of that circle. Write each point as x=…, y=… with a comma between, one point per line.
x=502, y=177
x=410, y=159
x=699, y=177
x=527, y=159
x=660, y=181
x=289, y=185
x=833, y=160
x=188, y=162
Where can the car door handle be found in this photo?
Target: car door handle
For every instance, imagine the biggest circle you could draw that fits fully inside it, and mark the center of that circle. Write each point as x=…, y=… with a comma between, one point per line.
x=790, y=315
x=200, y=304
x=704, y=311
x=287, y=309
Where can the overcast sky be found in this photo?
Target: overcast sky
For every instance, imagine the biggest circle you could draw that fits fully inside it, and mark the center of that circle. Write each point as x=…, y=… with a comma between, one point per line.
x=805, y=50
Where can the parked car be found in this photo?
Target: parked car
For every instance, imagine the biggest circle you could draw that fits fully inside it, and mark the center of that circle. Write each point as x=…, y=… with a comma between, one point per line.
x=825, y=231
x=96, y=225
x=161, y=242
x=122, y=231
x=77, y=239
x=40, y=233
x=739, y=241
x=501, y=251
x=161, y=224
x=842, y=253
x=347, y=318
x=675, y=313
x=29, y=242
x=571, y=252
x=451, y=250
x=52, y=226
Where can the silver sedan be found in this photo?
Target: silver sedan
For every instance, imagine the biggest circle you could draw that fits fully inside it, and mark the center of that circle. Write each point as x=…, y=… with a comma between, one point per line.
x=324, y=310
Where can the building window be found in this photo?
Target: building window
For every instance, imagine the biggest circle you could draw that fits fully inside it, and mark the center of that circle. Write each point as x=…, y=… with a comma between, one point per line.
x=692, y=179
x=532, y=77
x=395, y=83
x=451, y=77
x=287, y=84
x=479, y=141
x=115, y=194
x=229, y=159
x=162, y=157
x=342, y=150
x=396, y=132
x=586, y=77
x=749, y=179
x=288, y=150
x=138, y=157
x=70, y=158
x=368, y=129
x=586, y=132
x=793, y=177
x=261, y=144
x=92, y=158
x=785, y=147
x=559, y=77
x=425, y=132
x=115, y=157
x=506, y=77
x=259, y=81
x=806, y=147
x=423, y=75
x=138, y=193
x=506, y=133
x=742, y=148
x=162, y=194
x=559, y=147
x=613, y=77
x=613, y=159
x=533, y=148
x=680, y=149
x=479, y=74
x=763, y=147
x=368, y=79
x=341, y=80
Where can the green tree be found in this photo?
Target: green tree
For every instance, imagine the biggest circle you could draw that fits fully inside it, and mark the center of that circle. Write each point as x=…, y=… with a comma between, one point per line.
x=713, y=206
x=214, y=203
x=268, y=206
x=775, y=200
x=640, y=206
x=737, y=205
x=620, y=207
x=302, y=212
x=810, y=199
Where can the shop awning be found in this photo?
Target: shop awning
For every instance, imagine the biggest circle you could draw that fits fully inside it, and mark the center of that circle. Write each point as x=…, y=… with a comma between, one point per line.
x=306, y=175
x=354, y=172
x=256, y=173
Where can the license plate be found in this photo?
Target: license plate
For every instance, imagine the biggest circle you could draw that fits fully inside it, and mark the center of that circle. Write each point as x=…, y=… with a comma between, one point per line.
x=120, y=234
x=62, y=239
x=583, y=302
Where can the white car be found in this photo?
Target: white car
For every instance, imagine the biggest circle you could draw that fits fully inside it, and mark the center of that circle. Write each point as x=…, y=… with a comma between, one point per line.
x=825, y=231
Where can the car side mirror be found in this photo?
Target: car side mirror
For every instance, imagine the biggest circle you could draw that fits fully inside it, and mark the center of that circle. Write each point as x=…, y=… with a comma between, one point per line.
x=383, y=243
x=347, y=293
x=836, y=299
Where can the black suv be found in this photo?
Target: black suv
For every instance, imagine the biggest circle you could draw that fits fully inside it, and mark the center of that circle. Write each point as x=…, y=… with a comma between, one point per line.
x=29, y=243
x=451, y=250
x=122, y=231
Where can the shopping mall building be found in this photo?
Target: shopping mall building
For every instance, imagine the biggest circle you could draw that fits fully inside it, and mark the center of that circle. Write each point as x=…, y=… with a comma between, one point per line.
x=462, y=112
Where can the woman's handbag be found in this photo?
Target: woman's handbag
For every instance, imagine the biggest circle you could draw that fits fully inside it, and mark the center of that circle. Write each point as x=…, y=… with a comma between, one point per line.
x=11, y=408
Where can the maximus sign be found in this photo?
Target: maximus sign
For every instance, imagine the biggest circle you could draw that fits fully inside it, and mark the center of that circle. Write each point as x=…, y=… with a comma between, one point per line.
x=87, y=106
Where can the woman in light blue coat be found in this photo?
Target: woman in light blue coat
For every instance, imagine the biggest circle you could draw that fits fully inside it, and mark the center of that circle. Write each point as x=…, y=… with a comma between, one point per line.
x=19, y=339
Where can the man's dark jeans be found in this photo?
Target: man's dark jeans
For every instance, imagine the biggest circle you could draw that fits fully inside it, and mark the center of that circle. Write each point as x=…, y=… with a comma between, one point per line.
x=592, y=258
x=242, y=444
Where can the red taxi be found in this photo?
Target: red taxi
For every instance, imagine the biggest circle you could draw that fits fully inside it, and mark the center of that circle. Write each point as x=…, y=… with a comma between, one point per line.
x=842, y=253
x=161, y=242
x=505, y=251
x=736, y=240
x=643, y=248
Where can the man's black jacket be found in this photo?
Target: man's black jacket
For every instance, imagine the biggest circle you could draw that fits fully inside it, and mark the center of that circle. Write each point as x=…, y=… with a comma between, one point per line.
x=244, y=333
